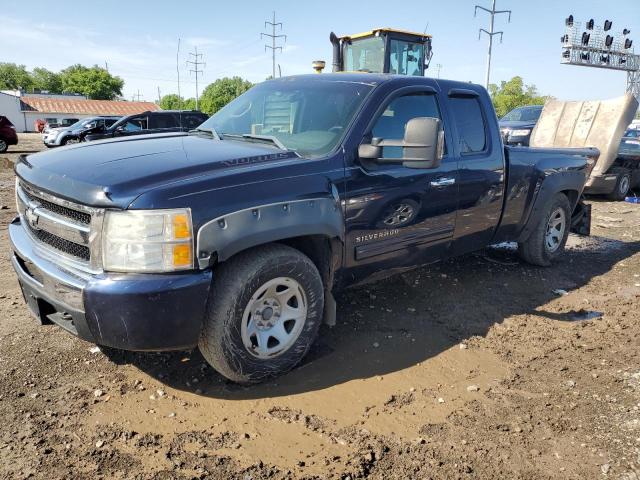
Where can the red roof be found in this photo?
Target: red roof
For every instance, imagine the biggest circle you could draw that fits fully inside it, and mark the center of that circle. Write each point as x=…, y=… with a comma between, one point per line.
x=86, y=107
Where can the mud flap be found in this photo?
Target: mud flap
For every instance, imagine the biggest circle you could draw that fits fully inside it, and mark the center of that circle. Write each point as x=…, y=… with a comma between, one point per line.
x=581, y=219
x=329, y=317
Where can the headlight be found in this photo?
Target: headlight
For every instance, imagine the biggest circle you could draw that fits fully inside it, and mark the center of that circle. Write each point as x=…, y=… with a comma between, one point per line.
x=520, y=133
x=147, y=241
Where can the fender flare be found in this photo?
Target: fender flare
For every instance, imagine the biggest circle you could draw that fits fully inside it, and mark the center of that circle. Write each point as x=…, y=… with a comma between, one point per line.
x=223, y=237
x=548, y=187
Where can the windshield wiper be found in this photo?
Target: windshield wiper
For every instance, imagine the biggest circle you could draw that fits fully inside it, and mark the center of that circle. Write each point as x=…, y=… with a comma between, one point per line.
x=210, y=131
x=259, y=138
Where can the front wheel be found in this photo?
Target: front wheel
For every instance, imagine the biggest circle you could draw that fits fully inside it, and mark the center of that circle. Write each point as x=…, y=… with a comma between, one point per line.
x=546, y=242
x=263, y=314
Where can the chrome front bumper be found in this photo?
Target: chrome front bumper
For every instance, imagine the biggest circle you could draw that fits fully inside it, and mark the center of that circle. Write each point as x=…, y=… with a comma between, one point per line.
x=52, y=281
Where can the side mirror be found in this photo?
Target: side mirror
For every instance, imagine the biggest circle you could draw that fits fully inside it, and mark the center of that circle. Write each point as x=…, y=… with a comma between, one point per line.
x=119, y=129
x=422, y=146
x=90, y=125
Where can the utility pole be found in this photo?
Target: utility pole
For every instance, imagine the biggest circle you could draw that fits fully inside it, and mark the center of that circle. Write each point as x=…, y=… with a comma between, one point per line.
x=136, y=96
x=438, y=66
x=493, y=12
x=273, y=38
x=196, y=62
x=159, y=96
x=178, y=71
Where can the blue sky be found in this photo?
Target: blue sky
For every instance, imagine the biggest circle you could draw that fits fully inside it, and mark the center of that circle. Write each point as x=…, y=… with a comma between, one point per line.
x=138, y=39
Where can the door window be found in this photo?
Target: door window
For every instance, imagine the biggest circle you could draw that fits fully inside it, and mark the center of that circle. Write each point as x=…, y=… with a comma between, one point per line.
x=110, y=121
x=161, y=121
x=405, y=58
x=470, y=124
x=191, y=121
x=392, y=122
x=136, y=124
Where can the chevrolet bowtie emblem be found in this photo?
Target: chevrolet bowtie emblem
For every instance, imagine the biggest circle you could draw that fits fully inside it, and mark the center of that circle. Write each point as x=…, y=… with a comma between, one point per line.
x=32, y=217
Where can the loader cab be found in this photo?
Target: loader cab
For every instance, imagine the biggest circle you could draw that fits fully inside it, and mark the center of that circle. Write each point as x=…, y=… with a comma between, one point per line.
x=382, y=50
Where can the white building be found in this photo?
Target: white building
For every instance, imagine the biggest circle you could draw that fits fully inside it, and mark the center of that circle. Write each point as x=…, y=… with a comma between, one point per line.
x=23, y=109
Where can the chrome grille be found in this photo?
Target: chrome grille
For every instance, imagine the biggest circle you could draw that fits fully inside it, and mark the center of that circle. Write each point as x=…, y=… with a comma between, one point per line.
x=60, y=244
x=81, y=217
x=65, y=230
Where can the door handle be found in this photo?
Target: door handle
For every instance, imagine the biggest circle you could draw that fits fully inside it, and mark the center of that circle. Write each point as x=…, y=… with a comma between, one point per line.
x=442, y=182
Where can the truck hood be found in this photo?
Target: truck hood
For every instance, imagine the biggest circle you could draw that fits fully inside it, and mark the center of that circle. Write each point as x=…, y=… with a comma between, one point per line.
x=112, y=173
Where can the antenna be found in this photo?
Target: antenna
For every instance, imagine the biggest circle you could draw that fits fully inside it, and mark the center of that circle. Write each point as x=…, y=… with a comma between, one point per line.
x=196, y=63
x=274, y=38
x=493, y=12
x=178, y=70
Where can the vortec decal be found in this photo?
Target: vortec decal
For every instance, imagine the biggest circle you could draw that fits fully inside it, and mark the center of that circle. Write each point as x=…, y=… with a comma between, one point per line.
x=378, y=235
x=257, y=159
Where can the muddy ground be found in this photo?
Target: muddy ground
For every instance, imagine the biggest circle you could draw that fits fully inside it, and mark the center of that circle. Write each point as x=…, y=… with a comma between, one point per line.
x=478, y=368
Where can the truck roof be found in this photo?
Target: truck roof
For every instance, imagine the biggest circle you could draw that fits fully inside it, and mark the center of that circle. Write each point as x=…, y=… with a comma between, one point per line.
x=380, y=78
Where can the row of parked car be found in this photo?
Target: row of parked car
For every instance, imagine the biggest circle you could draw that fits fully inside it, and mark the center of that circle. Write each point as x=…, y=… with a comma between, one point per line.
x=99, y=127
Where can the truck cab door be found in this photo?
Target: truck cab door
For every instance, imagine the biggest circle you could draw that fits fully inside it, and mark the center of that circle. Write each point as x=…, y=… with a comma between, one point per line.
x=481, y=175
x=396, y=216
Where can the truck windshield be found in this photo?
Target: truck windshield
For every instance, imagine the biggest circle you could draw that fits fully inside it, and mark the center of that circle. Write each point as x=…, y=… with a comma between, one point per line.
x=305, y=115
x=523, y=114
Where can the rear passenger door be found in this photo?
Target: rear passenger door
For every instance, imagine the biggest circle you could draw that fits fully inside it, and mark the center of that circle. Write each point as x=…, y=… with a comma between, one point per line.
x=481, y=173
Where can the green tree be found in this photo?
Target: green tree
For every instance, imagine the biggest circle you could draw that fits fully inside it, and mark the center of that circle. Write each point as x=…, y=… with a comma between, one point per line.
x=221, y=92
x=94, y=82
x=171, y=102
x=174, y=102
x=512, y=94
x=189, y=104
x=44, y=79
x=15, y=77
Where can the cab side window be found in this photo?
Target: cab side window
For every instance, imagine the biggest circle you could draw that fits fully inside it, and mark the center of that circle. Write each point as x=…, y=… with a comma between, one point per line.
x=165, y=120
x=392, y=122
x=136, y=124
x=470, y=124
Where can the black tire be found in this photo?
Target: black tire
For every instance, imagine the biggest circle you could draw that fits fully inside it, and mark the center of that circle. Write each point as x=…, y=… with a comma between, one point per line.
x=4, y=146
x=66, y=140
x=535, y=250
x=623, y=185
x=235, y=283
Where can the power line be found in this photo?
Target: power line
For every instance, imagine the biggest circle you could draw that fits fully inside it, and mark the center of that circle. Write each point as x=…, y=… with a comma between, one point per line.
x=136, y=96
x=493, y=12
x=273, y=38
x=196, y=63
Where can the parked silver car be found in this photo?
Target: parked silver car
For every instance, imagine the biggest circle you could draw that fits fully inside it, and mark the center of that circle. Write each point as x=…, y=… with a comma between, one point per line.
x=56, y=137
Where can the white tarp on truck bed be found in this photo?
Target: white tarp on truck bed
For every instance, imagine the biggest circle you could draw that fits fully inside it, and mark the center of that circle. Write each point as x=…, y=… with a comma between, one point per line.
x=598, y=124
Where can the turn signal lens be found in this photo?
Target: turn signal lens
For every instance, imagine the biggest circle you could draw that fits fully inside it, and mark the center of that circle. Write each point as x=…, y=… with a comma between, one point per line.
x=181, y=226
x=182, y=255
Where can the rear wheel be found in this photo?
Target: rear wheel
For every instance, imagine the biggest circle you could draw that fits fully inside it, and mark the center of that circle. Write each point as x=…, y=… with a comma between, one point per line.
x=263, y=314
x=623, y=185
x=546, y=242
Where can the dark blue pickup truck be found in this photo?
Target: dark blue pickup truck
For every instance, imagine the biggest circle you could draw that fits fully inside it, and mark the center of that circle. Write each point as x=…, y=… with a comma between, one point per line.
x=235, y=236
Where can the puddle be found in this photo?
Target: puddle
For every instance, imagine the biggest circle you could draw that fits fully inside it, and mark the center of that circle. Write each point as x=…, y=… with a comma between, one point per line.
x=584, y=315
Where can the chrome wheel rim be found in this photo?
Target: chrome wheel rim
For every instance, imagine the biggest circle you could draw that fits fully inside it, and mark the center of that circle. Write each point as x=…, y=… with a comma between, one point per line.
x=623, y=187
x=72, y=141
x=274, y=318
x=555, y=229
x=3, y=145
x=401, y=214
